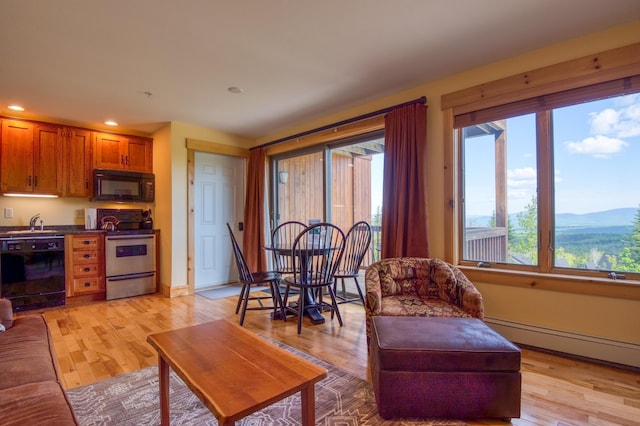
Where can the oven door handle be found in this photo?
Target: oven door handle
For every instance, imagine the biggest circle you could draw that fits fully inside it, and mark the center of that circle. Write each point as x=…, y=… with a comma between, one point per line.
x=131, y=276
x=131, y=237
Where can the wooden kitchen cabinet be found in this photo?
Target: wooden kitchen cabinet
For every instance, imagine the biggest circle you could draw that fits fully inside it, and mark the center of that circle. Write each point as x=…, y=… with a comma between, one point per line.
x=84, y=268
x=31, y=158
x=118, y=152
x=46, y=158
x=78, y=162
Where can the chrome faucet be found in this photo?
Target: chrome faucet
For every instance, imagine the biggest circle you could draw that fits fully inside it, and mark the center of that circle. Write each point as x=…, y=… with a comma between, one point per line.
x=32, y=221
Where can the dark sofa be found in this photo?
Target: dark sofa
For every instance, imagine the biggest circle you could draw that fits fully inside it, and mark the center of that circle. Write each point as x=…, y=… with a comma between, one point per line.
x=30, y=389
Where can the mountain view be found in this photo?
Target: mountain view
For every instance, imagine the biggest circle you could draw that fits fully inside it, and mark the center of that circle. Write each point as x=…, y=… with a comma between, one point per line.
x=592, y=240
x=618, y=218
x=608, y=218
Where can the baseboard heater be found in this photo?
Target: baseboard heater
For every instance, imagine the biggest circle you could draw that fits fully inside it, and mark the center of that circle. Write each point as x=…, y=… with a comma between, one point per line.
x=597, y=348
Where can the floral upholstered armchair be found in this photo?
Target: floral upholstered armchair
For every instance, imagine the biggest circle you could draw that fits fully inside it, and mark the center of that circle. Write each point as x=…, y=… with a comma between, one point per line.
x=411, y=286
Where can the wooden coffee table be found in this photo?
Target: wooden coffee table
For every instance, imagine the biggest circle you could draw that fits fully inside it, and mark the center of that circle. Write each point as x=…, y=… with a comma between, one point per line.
x=233, y=371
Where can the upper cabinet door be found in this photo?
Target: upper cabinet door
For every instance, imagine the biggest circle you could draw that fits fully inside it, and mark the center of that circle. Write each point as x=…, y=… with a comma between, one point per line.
x=116, y=152
x=109, y=151
x=78, y=163
x=16, y=167
x=47, y=159
x=31, y=158
x=140, y=155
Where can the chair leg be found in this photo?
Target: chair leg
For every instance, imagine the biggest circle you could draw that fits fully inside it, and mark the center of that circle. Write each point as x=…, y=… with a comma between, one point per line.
x=285, y=300
x=277, y=299
x=318, y=291
x=245, y=302
x=334, y=304
x=300, y=310
x=240, y=298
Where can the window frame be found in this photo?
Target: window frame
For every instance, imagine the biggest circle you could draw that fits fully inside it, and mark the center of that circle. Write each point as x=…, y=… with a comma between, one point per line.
x=567, y=83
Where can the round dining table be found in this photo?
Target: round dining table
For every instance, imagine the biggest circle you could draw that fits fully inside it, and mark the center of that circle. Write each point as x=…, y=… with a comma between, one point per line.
x=312, y=312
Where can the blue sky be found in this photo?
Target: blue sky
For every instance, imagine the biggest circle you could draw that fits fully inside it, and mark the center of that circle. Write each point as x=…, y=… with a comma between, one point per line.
x=377, y=167
x=597, y=160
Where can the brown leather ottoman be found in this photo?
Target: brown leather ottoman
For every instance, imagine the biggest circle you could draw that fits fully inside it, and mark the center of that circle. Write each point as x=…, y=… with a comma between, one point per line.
x=455, y=368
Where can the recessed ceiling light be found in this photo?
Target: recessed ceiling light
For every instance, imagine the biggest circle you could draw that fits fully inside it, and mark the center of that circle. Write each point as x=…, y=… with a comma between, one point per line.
x=110, y=123
x=234, y=89
x=16, y=108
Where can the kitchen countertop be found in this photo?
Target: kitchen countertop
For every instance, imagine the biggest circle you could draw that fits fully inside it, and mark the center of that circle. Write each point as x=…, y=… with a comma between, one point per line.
x=6, y=231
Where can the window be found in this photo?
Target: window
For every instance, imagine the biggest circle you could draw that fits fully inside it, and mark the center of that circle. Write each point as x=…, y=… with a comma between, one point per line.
x=299, y=188
x=344, y=189
x=499, y=183
x=596, y=153
x=551, y=185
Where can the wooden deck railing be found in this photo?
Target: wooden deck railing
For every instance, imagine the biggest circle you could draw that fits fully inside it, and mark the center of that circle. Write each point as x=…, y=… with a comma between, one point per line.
x=482, y=244
x=486, y=244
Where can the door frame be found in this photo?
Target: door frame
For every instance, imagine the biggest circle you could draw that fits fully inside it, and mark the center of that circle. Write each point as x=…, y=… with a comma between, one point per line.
x=194, y=145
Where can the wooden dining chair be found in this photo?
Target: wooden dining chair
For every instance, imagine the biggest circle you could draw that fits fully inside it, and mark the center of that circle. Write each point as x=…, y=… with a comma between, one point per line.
x=356, y=246
x=283, y=236
x=248, y=278
x=316, y=255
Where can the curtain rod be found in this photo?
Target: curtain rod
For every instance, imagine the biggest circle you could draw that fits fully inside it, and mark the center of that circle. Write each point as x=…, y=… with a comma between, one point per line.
x=421, y=100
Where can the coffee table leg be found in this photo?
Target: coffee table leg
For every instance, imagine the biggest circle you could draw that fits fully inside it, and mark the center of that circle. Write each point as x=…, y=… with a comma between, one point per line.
x=163, y=372
x=308, y=400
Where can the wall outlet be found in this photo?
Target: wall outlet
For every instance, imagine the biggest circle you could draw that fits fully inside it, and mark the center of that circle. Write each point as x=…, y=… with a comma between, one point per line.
x=8, y=212
x=80, y=214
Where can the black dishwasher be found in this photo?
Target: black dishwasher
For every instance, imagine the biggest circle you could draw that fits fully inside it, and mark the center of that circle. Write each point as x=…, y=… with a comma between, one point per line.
x=32, y=271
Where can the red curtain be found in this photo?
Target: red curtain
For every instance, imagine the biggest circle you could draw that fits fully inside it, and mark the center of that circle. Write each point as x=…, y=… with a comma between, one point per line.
x=404, y=203
x=253, y=241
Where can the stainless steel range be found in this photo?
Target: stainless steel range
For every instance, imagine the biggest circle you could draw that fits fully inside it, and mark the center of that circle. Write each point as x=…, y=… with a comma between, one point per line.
x=130, y=255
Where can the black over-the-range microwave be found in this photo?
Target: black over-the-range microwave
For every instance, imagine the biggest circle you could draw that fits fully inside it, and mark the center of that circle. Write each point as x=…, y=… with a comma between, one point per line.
x=116, y=185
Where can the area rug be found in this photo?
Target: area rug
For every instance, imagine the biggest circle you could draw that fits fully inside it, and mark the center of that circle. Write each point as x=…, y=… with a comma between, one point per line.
x=231, y=290
x=132, y=399
x=226, y=291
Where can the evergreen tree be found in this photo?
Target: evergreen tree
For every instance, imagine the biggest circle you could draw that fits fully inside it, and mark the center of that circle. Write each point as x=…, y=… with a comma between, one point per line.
x=634, y=247
x=526, y=237
x=377, y=217
x=629, y=258
x=492, y=220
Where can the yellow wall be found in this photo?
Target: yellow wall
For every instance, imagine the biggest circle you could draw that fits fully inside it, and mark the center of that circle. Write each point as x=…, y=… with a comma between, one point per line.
x=170, y=168
x=591, y=315
x=162, y=219
x=53, y=211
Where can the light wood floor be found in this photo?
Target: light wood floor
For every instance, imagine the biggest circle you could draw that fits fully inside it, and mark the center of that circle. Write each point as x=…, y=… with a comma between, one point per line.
x=100, y=340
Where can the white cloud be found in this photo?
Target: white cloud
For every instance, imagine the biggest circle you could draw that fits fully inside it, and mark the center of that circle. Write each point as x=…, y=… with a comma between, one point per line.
x=556, y=177
x=598, y=147
x=627, y=100
x=630, y=125
x=604, y=122
x=520, y=194
x=623, y=122
x=522, y=178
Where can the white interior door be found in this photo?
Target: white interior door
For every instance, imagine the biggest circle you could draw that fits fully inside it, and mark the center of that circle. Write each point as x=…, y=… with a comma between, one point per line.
x=219, y=198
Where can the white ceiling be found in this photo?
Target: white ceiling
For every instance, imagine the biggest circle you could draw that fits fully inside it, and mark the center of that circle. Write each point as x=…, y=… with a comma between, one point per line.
x=86, y=61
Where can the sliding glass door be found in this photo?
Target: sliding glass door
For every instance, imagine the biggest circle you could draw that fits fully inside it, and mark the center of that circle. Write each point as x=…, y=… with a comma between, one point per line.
x=339, y=183
x=299, y=183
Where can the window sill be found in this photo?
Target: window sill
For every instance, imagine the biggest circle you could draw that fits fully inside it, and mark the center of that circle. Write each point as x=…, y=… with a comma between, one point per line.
x=623, y=289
